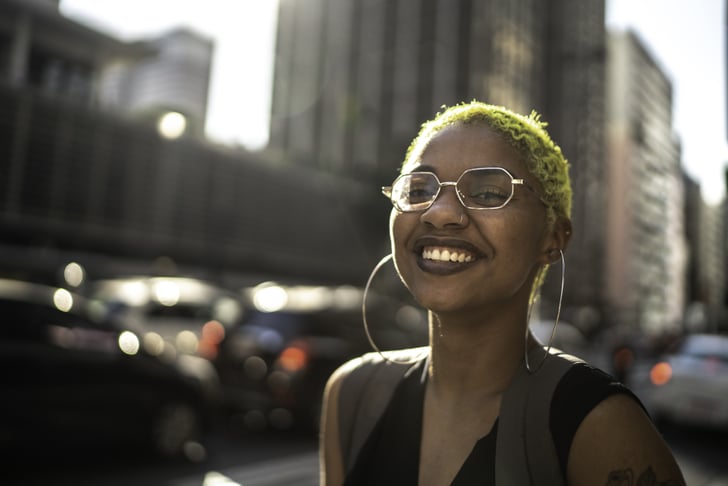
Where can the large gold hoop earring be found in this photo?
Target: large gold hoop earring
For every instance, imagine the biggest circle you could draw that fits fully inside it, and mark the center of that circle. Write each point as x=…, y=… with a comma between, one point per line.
x=374, y=346
x=556, y=323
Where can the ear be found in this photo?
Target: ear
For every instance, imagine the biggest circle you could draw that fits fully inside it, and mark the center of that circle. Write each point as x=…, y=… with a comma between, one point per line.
x=558, y=238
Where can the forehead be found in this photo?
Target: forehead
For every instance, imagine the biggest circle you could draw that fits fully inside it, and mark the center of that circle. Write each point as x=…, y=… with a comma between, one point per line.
x=459, y=147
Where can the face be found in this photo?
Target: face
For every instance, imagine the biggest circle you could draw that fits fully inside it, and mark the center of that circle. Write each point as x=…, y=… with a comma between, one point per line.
x=496, y=251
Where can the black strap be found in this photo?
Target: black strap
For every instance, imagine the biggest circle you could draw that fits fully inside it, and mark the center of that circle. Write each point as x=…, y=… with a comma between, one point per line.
x=525, y=451
x=365, y=394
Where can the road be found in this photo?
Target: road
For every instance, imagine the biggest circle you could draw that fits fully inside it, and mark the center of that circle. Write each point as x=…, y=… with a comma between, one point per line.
x=280, y=459
x=702, y=454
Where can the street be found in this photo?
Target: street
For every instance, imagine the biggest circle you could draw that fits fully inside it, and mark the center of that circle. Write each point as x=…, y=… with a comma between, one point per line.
x=701, y=454
x=281, y=459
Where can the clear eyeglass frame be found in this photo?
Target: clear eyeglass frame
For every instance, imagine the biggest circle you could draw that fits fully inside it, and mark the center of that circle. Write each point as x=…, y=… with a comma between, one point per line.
x=388, y=190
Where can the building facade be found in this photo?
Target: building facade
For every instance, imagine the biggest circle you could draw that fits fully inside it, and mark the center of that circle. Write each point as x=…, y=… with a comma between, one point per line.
x=355, y=79
x=102, y=187
x=711, y=249
x=646, y=246
x=43, y=50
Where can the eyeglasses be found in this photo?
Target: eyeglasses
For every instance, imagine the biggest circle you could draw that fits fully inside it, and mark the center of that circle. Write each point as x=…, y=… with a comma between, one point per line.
x=477, y=188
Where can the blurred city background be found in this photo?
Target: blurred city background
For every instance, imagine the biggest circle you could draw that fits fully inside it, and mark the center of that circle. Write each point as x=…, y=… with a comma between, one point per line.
x=189, y=209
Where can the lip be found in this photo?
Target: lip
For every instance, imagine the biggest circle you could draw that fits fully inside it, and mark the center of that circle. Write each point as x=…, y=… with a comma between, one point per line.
x=445, y=267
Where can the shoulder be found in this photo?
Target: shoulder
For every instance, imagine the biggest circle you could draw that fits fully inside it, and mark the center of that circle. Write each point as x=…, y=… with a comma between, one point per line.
x=331, y=449
x=582, y=387
x=618, y=441
x=343, y=395
x=615, y=437
x=356, y=372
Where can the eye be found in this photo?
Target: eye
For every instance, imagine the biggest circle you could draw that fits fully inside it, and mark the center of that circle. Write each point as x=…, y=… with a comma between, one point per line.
x=417, y=188
x=419, y=191
x=487, y=196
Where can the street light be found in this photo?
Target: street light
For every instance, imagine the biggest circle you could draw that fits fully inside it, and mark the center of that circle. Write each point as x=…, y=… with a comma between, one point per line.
x=172, y=125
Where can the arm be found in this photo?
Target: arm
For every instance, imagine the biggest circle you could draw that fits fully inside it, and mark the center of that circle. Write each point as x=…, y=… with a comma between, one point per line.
x=617, y=445
x=330, y=454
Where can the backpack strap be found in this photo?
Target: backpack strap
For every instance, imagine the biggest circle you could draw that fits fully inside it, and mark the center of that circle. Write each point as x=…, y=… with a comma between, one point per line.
x=365, y=393
x=525, y=451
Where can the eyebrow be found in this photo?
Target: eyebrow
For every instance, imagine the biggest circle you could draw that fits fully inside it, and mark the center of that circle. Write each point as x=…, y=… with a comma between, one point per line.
x=429, y=168
x=423, y=168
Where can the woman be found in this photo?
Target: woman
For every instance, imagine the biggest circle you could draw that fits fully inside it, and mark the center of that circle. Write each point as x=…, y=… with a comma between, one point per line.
x=481, y=208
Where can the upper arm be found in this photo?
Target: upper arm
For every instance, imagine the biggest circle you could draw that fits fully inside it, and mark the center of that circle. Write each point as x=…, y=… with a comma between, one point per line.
x=617, y=445
x=330, y=453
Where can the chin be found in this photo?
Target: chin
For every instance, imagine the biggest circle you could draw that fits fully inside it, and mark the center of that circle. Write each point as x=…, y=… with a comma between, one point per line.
x=435, y=300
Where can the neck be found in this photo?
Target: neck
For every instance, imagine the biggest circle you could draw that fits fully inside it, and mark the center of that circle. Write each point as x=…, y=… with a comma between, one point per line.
x=475, y=357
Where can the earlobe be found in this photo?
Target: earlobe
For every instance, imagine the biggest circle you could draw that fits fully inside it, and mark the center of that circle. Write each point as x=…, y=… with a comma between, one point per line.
x=558, y=241
x=554, y=255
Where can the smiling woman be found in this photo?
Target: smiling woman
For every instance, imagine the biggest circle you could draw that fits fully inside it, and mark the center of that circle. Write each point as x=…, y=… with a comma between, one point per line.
x=481, y=209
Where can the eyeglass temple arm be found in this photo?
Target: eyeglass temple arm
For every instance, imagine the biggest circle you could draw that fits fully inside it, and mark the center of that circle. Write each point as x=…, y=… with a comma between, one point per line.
x=387, y=191
x=523, y=183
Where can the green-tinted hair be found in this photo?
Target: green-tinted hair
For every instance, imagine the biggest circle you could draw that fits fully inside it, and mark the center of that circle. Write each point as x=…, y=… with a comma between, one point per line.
x=528, y=135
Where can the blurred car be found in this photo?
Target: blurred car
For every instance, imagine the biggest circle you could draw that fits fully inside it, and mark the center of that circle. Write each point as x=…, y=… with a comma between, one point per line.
x=72, y=380
x=180, y=319
x=274, y=366
x=689, y=385
x=189, y=314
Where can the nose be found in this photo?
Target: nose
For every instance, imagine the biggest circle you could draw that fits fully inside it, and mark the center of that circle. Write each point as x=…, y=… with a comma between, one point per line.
x=446, y=210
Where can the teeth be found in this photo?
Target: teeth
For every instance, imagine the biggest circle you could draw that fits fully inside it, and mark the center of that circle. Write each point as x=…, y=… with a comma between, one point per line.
x=446, y=255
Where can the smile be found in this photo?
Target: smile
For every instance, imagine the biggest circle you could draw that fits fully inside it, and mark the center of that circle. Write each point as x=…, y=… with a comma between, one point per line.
x=445, y=254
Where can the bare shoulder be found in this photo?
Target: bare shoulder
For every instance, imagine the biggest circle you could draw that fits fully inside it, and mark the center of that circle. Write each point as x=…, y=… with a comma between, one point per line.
x=618, y=445
x=330, y=454
x=340, y=374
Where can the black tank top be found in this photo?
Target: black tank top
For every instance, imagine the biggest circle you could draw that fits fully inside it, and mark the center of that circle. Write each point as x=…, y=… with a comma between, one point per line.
x=390, y=455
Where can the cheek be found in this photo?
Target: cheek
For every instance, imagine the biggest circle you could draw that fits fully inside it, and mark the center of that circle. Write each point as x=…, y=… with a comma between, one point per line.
x=516, y=239
x=527, y=258
x=400, y=226
x=392, y=222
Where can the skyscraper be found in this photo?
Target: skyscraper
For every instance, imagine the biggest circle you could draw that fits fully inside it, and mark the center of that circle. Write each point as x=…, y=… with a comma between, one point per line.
x=646, y=246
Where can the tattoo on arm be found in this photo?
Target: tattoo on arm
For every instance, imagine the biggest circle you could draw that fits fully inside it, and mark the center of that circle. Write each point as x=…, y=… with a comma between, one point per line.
x=625, y=477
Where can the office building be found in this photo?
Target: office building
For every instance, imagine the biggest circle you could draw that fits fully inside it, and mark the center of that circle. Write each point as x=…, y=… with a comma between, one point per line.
x=646, y=246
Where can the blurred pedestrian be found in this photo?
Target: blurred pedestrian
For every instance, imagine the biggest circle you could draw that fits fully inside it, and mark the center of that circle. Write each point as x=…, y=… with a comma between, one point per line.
x=481, y=210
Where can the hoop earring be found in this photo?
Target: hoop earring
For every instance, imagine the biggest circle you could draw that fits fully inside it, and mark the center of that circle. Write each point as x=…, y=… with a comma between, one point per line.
x=556, y=323
x=374, y=346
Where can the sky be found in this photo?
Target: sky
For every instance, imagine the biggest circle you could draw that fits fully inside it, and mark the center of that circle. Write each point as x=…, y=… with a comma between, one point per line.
x=686, y=38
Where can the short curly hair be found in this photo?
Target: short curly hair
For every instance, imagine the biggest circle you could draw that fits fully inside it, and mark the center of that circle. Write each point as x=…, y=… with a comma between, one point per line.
x=527, y=134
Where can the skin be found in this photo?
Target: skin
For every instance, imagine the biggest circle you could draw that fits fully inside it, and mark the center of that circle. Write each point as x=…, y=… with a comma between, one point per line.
x=478, y=319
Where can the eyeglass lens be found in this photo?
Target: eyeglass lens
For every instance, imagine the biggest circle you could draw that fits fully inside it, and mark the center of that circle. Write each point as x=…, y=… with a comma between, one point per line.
x=485, y=188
